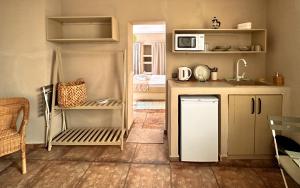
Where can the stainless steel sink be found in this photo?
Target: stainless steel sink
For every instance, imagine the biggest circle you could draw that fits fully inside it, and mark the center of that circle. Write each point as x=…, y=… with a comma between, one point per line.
x=247, y=83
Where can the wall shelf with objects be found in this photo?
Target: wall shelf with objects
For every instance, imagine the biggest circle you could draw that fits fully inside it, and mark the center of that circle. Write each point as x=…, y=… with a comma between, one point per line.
x=228, y=41
x=82, y=29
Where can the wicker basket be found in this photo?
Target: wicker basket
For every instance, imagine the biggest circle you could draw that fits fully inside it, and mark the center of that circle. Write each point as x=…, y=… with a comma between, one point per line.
x=71, y=94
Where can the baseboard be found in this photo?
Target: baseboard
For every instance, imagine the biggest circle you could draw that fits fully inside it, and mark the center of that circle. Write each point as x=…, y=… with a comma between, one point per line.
x=249, y=157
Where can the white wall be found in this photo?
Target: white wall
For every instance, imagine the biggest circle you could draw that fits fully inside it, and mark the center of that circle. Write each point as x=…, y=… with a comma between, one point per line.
x=25, y=56
x=173, y=12
x=283, y=23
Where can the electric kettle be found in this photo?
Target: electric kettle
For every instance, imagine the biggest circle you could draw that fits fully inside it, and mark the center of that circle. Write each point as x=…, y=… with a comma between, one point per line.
x=184, y=73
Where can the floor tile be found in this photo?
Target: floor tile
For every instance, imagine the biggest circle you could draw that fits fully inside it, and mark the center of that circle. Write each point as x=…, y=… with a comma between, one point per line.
x=13, y=177
x=137, y=125
x=192, y=176
x=148, y=176
x=291, y=183
x=155, y=118
x=60, y=174
x=155, y=121
x=14, y=155
x=114, y=153
x=270, y=176
x=146, y=136
x=82, y=153
x=4, y=163
x=154, y=126
x=17, y=154
x=237, y=177
x=43, y=154
x=200, y=164
x=105, y=175
x=150, y=110
x=151, y=153
x=139, y=117
x=261, y=163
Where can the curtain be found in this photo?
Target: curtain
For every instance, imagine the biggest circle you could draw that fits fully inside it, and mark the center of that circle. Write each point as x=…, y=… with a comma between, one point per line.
x=137, y=58
x=159, y=58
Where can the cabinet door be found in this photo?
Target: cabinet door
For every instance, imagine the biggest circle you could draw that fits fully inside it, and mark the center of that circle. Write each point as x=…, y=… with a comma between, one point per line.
x=241, y=125
x=265, y=105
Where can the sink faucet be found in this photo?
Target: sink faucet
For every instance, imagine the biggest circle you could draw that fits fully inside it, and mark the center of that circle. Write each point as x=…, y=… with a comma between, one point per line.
x=238, y=77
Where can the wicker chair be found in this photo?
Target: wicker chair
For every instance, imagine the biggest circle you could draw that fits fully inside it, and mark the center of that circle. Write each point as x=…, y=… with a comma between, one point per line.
x=11, y=139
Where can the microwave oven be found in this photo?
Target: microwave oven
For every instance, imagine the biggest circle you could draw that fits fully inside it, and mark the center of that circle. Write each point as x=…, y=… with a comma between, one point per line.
x=189, y=42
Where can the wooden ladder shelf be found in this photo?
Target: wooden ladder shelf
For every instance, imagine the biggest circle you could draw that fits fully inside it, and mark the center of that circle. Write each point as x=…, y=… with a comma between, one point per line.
x=86, y=136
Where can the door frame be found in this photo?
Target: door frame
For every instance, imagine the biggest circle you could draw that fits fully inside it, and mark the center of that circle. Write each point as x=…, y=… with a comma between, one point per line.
x=129, y=107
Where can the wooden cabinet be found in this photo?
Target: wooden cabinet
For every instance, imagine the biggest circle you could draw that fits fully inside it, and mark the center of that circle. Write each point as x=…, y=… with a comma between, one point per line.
x=249, y=132
x=241, y=125
x=266, y=105
x=235, y=38
x=82, y=29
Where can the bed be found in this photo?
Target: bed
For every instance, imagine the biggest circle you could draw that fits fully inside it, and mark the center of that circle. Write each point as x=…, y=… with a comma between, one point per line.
x=149, y=87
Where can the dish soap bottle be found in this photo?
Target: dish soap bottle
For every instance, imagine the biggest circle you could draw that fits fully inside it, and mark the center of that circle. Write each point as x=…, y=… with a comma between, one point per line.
x=278, y=79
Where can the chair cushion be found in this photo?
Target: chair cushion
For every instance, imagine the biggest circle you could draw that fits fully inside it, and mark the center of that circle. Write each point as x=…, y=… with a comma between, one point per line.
x=10, y=141
x=290, y=167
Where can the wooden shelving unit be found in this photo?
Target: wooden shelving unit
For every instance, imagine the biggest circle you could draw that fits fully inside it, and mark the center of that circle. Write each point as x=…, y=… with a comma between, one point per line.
x=147, y=58
x=86, y=136
x=94, y=105
x=82, y=29
x=92, y=136
x=224, y=37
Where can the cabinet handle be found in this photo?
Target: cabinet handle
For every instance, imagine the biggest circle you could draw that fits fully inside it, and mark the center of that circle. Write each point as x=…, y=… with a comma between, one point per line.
x=259, y=106
x=253, y=105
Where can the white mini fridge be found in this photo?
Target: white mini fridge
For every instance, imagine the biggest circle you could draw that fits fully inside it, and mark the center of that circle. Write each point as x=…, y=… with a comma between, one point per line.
x=199, y=128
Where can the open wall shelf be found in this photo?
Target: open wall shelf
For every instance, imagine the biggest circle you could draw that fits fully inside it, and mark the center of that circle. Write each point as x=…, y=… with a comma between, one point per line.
x=82, y=29
x=227, y=37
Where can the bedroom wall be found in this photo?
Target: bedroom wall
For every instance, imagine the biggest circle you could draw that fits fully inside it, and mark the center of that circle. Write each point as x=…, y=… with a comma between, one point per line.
x=25, y=56
x=284, y=27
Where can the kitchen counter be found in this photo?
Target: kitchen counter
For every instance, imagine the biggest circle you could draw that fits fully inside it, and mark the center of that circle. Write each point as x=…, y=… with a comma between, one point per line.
x=221, y=89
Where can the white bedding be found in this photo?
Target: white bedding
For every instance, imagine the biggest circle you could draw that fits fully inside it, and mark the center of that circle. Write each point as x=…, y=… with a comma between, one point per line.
x=149, y=79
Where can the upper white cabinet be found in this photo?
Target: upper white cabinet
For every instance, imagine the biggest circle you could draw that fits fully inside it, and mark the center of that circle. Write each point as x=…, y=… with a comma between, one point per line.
x=236, y=38
x=82, y=29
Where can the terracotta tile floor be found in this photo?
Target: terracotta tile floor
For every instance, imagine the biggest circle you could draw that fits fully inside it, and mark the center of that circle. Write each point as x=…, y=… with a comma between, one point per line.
x=139, y=165
x=151, y=119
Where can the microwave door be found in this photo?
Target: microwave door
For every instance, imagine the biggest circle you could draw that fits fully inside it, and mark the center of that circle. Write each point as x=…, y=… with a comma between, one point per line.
x=187, y=42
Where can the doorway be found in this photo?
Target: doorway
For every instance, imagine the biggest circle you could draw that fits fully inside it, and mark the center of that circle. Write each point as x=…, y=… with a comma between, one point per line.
x=148, y=82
